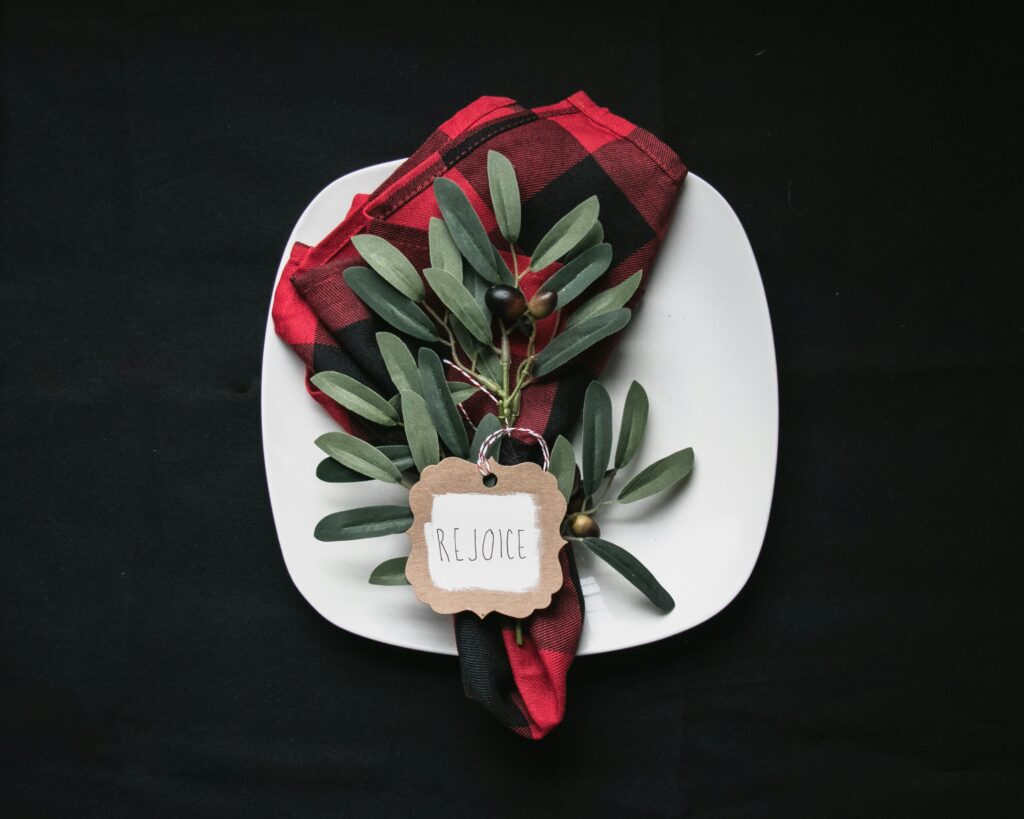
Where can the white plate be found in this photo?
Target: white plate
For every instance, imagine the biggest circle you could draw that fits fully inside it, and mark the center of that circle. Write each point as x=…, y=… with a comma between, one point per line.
x=702, y=346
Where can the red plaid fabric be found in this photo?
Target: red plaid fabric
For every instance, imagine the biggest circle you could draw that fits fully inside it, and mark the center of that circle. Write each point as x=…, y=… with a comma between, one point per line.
x=562, y=154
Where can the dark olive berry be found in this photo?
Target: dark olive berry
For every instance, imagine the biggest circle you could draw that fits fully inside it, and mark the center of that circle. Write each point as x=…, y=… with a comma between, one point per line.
x=584, y=526
x=543, y=304
x=507, y=303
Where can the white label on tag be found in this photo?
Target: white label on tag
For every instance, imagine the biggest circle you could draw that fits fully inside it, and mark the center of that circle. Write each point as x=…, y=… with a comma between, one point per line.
x=478, y=541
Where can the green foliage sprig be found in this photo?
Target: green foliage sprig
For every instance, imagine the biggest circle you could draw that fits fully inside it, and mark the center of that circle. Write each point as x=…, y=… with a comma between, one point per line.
x=469, y=303
x=473, y=303
x=586, y=490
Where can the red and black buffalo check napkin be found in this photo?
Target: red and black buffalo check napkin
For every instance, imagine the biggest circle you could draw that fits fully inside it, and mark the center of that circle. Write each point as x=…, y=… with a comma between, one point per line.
x=562, y=154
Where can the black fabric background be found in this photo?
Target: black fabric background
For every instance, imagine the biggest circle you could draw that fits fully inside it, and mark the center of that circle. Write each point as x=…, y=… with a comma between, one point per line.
x=157, y=660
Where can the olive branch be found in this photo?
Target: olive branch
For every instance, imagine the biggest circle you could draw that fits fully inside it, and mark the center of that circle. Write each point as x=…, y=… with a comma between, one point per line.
x=477, y=308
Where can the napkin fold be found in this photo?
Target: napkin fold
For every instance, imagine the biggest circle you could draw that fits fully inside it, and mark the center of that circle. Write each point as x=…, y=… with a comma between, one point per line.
x=562, y=154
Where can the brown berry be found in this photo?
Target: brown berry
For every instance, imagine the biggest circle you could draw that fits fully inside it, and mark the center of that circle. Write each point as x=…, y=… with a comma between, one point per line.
x=584, y=526
x=543, y=304
x=507, y=303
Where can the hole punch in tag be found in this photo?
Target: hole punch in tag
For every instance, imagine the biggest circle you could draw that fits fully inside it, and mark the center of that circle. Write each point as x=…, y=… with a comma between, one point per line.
x=485, y=539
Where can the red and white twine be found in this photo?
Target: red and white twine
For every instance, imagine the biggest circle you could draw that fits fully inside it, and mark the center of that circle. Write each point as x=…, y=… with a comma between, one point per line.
x=481, y=460
x=505, y=429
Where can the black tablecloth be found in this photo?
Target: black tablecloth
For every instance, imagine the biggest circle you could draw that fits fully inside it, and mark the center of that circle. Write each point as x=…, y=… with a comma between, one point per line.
x=158, y=660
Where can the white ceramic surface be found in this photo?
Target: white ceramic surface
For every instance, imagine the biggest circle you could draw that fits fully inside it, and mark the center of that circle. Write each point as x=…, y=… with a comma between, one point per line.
x=702, y=346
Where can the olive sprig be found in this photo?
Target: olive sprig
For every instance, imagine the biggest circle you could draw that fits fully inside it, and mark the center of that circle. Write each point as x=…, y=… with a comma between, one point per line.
x=481, y=301
x=586, y=489
x=479, y=306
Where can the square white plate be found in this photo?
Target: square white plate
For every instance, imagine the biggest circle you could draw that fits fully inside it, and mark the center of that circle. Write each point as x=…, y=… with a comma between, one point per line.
x=702, y=346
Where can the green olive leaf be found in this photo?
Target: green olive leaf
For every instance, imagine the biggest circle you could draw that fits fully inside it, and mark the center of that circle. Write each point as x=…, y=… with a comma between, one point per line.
x=569, y=344
x=633, y=570
x=597, y=436
x=419, y=430
x=368, y=521
x=467, y=341
x=440, y=405
x=658, y=477
x=488, y=425
x=400, y=364
x=501, y=179
x=390, y=573
x=594, y=237
x=391, y=305
x=567, y=232
x=505, y=276
x=477, y=287
x=461, y=391
x=444, y=254
x=330, y=471
x=607, y=300
x=634, y=424
x=391, y=264
x=396, y=402
x=466, y=228
x=563, y=466
x=460, y=302
x=360, y=456
x=355, y=397
x=579, y=274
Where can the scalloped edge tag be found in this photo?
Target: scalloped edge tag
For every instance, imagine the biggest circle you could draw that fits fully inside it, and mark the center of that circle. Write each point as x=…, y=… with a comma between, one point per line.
x=485, y=548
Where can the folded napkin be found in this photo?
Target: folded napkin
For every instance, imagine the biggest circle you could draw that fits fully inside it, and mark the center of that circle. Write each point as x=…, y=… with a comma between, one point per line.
x=562, y=154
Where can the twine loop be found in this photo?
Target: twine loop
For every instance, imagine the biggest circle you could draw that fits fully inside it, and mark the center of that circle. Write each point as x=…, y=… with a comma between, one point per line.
x=481, y=461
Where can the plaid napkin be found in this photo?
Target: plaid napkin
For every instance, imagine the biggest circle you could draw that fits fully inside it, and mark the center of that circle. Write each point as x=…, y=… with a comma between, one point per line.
x=562, y=154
